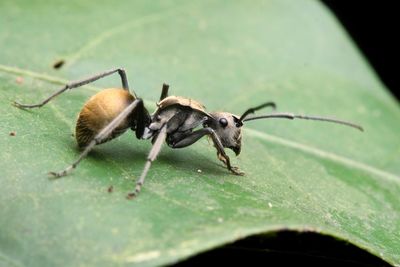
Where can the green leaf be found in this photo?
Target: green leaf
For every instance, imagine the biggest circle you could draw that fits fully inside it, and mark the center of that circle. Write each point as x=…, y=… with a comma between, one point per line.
x=229, y=55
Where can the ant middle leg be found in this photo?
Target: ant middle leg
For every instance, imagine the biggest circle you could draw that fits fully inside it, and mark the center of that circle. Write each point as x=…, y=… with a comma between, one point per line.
x=157, y=141
x=164, y=91
x=155, y=150
x=76, y=84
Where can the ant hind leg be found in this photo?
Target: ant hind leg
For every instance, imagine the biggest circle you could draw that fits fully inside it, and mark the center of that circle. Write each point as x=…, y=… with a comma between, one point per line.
x=102, y=135
x=76, y=84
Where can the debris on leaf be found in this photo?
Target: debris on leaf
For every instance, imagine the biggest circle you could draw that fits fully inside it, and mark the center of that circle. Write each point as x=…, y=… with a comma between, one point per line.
x=110, y=189
x=58, y=64
x=19, y=80
x=131, y=196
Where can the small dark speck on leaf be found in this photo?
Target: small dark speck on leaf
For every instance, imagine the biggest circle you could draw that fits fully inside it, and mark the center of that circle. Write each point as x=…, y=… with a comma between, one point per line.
x=19, y=80
x=13, y=133
x=110, y=189
x=58, y=64
x=130, y=196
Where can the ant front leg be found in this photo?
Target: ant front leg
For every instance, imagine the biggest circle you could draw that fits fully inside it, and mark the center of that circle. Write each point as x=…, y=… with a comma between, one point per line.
x=222, y=156
x=189, y=139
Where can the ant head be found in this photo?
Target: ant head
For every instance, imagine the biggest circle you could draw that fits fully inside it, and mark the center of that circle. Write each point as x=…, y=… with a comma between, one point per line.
x=228, y=127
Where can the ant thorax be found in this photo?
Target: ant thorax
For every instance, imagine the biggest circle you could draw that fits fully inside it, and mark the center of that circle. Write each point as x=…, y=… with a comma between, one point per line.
x=192, y=119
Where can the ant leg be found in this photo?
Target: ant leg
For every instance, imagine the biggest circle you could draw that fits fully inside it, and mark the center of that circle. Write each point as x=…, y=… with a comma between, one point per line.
x=76, y=84
x=193, y=137
x=164, y=91
x=155, y=150
x=142, y=118
x=222, y=156
x=159, y=139
x=103, y=134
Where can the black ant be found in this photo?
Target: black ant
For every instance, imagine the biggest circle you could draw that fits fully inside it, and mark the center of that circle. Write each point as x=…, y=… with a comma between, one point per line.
x=112, y=111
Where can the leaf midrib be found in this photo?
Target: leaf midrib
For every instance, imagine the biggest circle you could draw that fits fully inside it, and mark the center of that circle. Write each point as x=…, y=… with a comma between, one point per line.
x=255, y=133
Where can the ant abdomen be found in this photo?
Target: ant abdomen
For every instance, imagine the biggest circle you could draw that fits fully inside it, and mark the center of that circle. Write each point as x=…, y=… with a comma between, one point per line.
x=99, y=111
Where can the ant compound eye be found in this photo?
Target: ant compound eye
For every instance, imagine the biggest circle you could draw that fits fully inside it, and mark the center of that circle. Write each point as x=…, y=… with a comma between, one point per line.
x=158, y=118
x=223, y=122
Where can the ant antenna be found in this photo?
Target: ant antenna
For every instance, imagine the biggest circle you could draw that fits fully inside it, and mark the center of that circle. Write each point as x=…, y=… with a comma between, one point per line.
x=292, y=116
x=252, y=110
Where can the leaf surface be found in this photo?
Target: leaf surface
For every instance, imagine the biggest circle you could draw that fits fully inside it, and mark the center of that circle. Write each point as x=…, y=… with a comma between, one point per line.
x=229, y=55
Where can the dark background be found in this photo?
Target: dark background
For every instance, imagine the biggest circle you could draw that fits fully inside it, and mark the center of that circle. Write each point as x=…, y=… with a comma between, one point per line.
x=373, y=25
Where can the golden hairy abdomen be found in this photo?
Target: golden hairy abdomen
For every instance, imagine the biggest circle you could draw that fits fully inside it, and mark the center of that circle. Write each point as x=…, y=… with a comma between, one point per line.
x=99, y=111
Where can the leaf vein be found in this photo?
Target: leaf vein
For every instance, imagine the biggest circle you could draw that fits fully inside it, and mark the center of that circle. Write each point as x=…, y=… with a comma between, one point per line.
x=324, y=154
x=102, y=37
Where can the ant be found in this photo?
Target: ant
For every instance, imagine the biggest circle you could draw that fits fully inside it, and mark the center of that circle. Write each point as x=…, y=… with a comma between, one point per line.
x=178, y=121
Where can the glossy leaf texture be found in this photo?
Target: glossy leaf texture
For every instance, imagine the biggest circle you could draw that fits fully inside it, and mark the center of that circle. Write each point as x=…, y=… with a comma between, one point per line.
x=229, y=55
